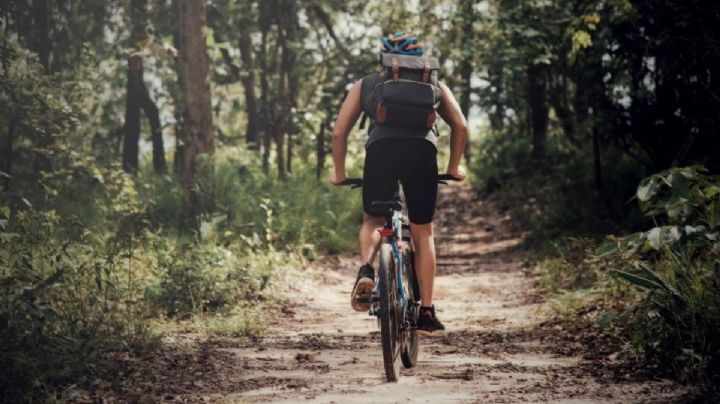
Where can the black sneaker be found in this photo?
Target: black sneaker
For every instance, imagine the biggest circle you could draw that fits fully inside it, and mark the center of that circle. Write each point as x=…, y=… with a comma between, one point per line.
x=428, y=323
x=360, y=296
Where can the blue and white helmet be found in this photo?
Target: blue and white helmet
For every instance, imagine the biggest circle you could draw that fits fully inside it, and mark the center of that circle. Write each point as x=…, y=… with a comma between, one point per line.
x=401, y=43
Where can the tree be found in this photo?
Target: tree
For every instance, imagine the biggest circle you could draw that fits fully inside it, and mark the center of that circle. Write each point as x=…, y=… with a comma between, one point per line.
x=138, y=98
x=467, y=44
x=196, y=166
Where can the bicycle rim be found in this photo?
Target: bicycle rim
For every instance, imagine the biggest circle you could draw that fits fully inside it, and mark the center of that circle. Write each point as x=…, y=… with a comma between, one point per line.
x=389, y=328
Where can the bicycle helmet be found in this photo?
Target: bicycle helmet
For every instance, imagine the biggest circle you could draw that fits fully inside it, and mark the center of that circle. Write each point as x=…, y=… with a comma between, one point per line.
x=402, y=44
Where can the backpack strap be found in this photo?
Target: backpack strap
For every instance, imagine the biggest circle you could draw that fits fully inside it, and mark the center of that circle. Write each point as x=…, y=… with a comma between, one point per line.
x=426, y=71
x=395, y=69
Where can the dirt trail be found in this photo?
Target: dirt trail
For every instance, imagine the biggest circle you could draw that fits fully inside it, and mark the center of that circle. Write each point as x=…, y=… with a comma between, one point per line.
x=498, y=348
x=500, y=345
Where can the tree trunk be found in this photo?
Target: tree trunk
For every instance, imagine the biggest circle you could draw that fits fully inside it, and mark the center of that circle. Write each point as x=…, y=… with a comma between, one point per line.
x=537, y=76
x=132, y=114
x=320, y=151
x=497, y=117
x=558, y=97
x=466, y=73
x=153, y=115
x=42, y=34
x=283, y=84
x=7, y=154
x=466, y=68
x=197, y=136
x=138, y=18
x=178, y=101
x=266, y=121
x=138, y=98
x=245, y=46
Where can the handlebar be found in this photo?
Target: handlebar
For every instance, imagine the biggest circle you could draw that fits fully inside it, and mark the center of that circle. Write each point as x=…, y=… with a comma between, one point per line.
x=358, y=182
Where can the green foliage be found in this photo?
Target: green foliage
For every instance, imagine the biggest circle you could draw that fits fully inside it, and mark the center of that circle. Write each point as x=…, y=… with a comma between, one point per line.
x=91, y=257
x=558, y=196
x=658, y=288
x=676, y=267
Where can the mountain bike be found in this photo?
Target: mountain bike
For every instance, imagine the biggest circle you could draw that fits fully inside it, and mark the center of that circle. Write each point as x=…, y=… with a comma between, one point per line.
x=396, y=297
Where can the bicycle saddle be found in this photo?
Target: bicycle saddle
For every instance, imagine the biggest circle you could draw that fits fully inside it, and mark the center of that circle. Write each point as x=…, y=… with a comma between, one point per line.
x=384, y=206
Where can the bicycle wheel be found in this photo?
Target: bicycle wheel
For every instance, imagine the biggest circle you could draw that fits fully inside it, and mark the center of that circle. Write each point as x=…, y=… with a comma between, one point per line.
x=389, y=328
x=410, y=347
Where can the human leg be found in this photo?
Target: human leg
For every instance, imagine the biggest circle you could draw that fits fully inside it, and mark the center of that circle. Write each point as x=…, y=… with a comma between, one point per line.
x=425, y=260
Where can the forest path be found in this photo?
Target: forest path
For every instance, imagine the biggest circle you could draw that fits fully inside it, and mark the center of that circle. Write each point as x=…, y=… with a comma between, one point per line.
x=499, y=346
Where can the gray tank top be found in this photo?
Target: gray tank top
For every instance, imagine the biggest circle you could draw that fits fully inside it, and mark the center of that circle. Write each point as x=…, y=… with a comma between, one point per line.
x=375, y=132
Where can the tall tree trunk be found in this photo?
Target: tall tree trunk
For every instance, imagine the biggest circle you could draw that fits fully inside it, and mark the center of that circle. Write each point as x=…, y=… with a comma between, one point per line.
x=7, y=154
x=320, y=150
x=466, y=73
x=497, y=117
x=283, y=85
x=289, y=81
x=178, y=101
x=266, y=121
x=153, y=115
x=198, y=149
x=466, y=69
x=41, y=14
x=558, y=97
x=245, y=46
x=132, y=114
x=138, y=98
x=138, y=18
x=537, y=78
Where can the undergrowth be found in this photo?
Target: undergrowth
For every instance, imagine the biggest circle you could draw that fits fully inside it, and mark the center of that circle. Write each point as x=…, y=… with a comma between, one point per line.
x=93, y=263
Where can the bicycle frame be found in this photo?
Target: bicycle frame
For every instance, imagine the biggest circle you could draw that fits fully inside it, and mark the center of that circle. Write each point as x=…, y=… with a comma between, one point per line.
x=393, y=233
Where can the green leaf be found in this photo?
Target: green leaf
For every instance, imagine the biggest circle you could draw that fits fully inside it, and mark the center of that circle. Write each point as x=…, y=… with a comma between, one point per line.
x=656, y=278
x=636, y=279
x=608, y=248
x=647, y=189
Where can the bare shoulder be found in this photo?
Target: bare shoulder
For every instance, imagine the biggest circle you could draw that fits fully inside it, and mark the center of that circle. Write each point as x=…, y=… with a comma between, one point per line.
x=445, y=91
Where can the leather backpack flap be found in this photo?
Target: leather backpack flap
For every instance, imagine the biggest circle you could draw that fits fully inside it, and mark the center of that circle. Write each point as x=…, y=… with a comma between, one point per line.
x=408, y=95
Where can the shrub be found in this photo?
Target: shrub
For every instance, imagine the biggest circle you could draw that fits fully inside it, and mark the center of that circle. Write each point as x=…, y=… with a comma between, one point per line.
x=676, y=265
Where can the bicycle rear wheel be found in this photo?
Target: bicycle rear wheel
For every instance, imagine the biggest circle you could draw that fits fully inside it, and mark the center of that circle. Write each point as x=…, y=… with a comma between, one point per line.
x=388, y=316
x=410, y=344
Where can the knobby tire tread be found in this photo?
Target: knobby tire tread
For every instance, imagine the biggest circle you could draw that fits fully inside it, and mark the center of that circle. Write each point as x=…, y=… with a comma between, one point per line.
x=409, y=353
x=390, y=344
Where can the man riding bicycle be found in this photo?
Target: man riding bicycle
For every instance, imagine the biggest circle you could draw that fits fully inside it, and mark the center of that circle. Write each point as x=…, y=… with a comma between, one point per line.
x=400, y=152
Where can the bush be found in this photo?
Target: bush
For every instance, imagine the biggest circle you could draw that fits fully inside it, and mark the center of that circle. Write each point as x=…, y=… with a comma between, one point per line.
x=677, y=266
x=557, y=196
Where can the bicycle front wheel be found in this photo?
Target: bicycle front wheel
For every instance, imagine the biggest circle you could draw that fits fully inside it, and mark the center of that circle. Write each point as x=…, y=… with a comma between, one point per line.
x=389, y=327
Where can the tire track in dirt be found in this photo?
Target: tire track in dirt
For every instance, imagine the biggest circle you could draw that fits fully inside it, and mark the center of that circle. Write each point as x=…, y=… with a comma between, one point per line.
x=499, y=346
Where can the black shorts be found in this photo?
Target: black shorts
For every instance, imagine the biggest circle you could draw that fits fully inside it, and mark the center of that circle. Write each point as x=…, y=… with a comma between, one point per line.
x=413, y=162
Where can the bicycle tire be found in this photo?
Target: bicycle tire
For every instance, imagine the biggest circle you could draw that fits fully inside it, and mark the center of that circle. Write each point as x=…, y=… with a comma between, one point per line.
x=389, y=327
x=410, y=348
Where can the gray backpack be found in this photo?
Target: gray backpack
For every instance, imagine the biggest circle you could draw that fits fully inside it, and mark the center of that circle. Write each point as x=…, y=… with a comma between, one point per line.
x=407, y=94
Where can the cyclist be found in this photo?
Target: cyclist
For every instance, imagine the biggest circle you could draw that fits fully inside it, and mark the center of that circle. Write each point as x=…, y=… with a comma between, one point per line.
x=408, y=155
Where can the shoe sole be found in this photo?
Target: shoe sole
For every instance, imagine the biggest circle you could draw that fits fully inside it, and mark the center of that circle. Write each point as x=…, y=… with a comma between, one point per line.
x=363, y=287
x=425, y=333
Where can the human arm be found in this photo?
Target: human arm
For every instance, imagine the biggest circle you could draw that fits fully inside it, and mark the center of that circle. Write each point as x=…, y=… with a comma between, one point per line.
x=348, y=115
x=452, y=114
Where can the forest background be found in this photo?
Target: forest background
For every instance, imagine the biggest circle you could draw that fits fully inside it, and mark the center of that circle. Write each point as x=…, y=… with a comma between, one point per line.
x=164, y=162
